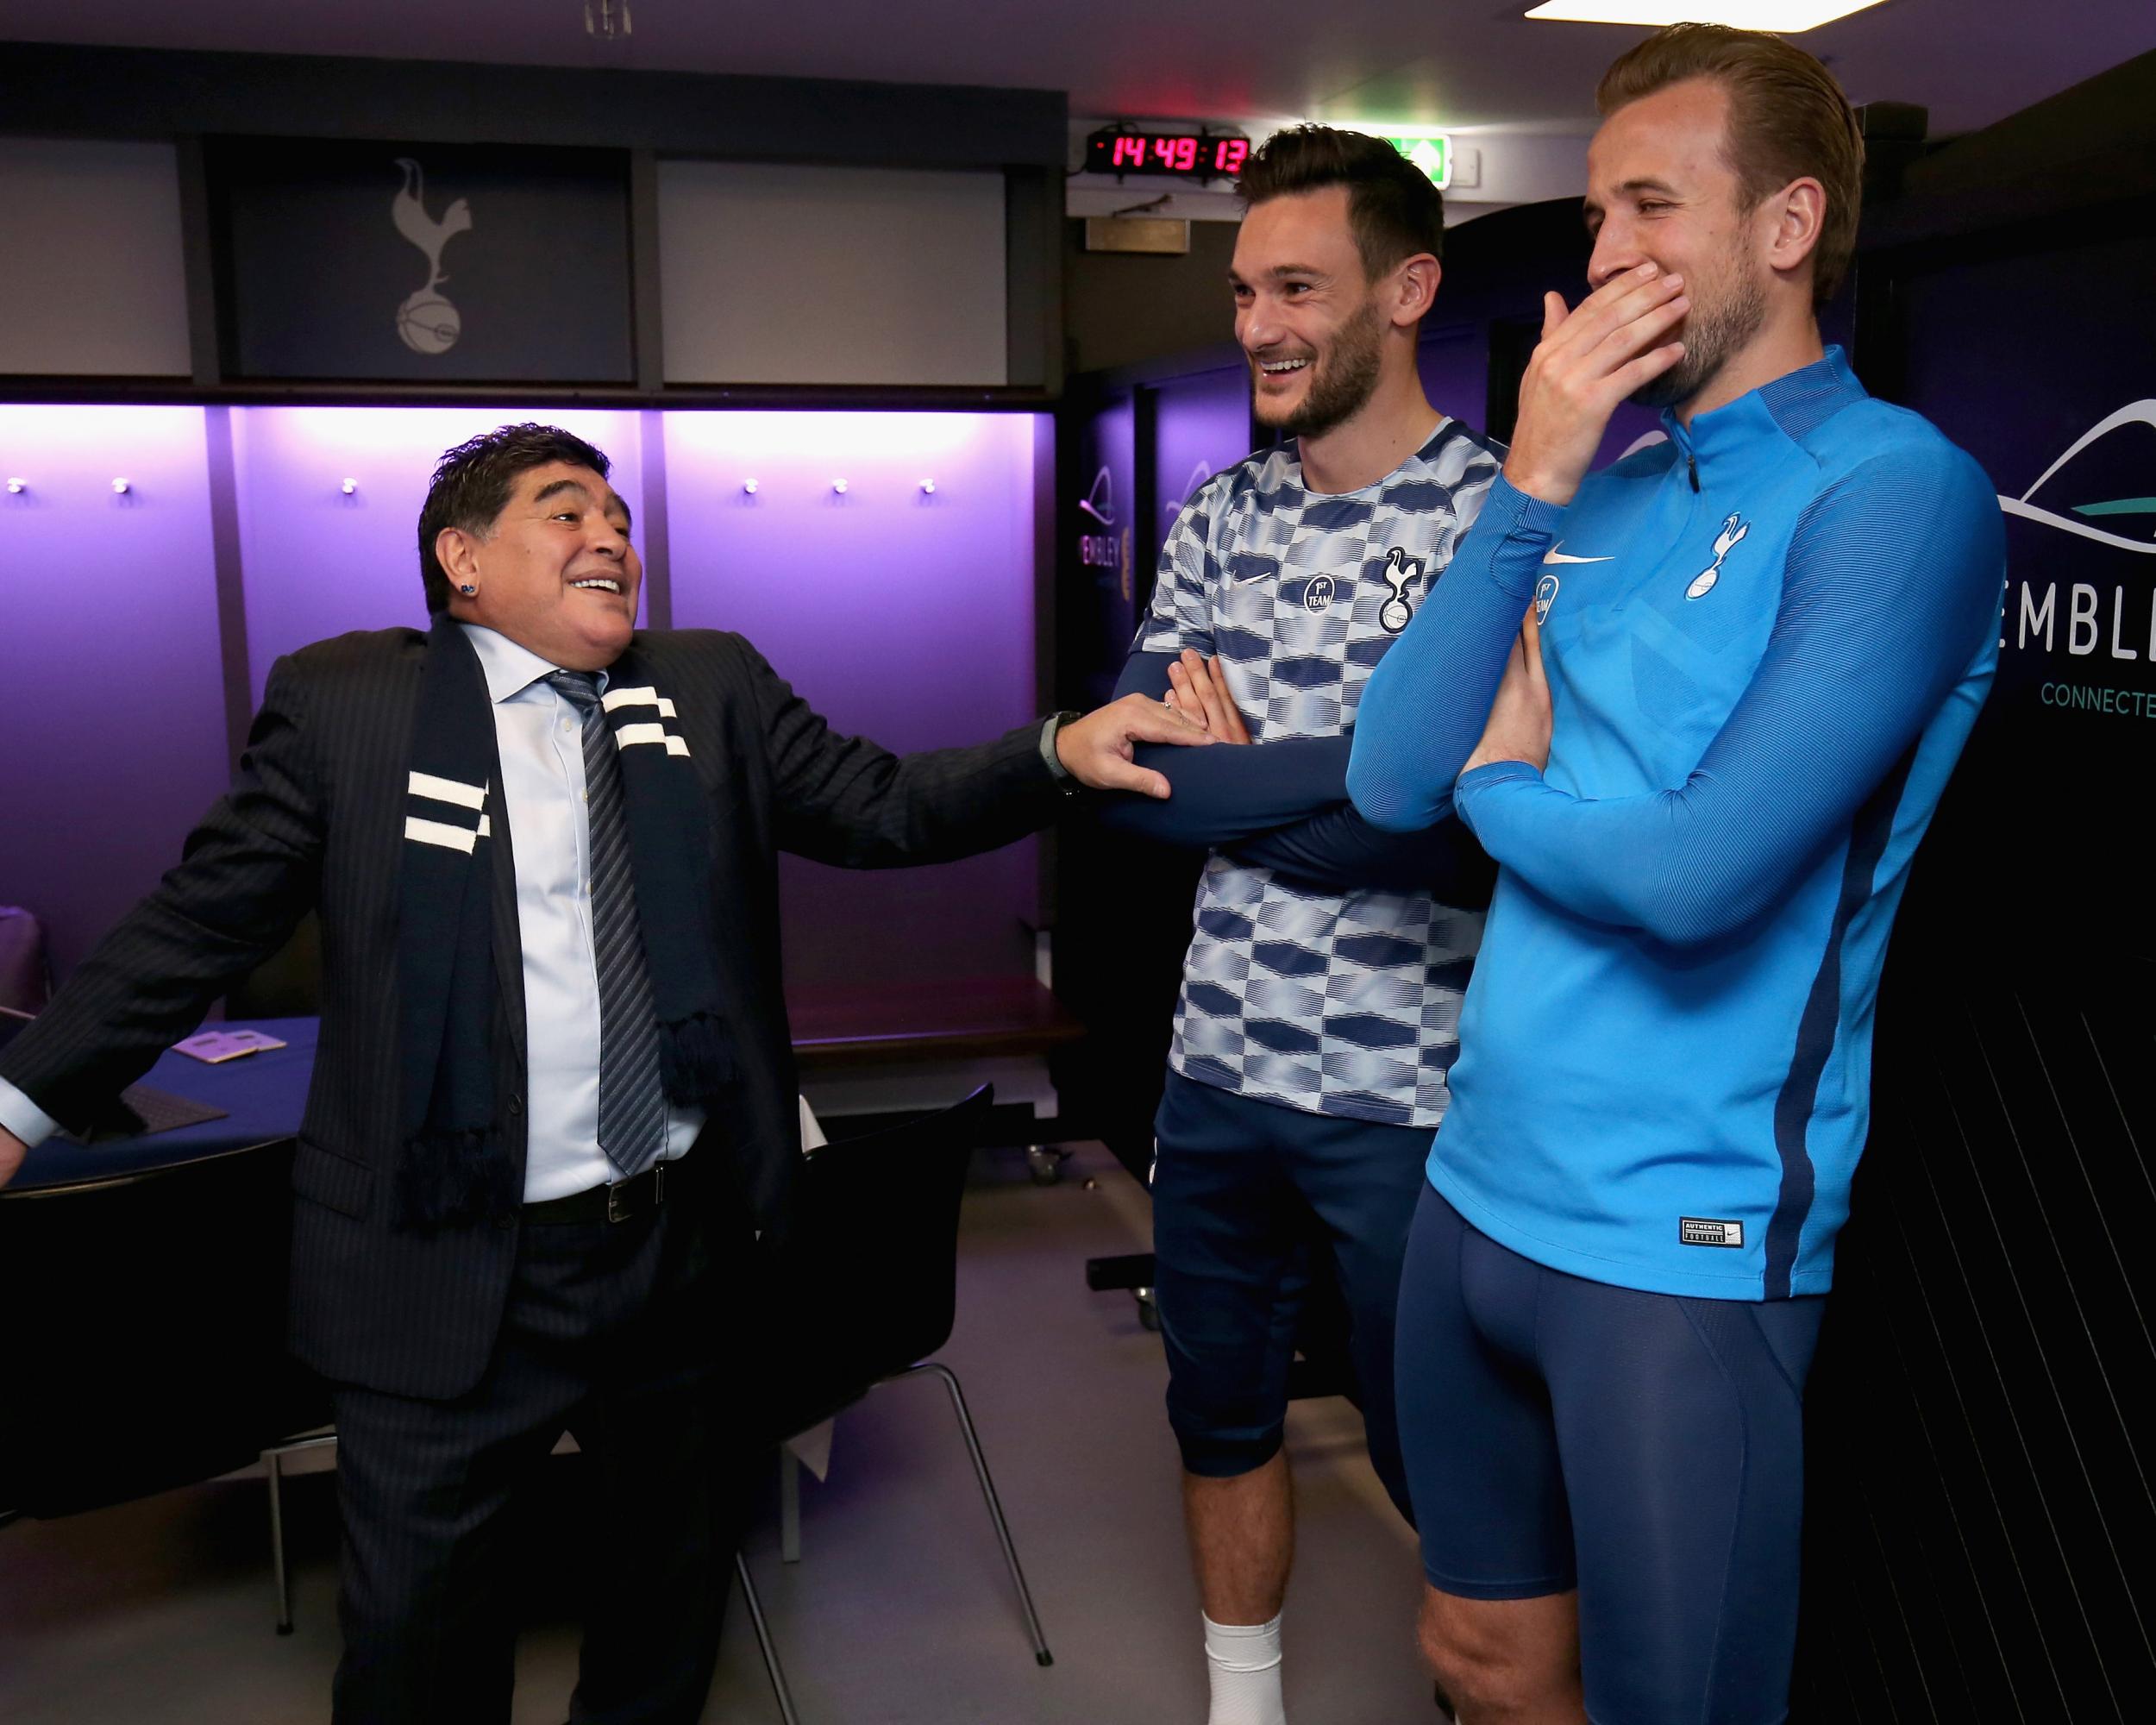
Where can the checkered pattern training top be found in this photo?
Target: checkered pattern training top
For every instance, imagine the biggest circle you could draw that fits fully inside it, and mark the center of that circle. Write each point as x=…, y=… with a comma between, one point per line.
x=1336, y=1003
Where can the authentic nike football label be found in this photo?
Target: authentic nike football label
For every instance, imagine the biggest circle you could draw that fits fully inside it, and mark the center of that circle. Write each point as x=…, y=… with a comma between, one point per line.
x=1707, y=1231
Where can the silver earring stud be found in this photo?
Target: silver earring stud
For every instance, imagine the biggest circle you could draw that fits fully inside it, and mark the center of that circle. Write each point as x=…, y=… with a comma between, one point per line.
x=467, y=589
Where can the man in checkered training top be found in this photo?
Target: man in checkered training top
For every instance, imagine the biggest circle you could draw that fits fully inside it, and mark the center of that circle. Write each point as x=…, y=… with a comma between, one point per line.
x=1321, y=995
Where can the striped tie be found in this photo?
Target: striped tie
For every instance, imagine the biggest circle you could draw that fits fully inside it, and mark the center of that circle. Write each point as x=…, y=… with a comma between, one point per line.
x=632, y=1112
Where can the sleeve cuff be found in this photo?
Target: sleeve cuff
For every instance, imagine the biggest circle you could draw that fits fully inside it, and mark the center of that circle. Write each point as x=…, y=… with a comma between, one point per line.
x=22, y=1117
x=1529, y=513
x=1533, y=529
x=1465, y=791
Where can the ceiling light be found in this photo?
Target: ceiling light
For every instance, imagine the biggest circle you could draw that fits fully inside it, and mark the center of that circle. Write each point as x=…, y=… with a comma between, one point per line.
x=1785, y=17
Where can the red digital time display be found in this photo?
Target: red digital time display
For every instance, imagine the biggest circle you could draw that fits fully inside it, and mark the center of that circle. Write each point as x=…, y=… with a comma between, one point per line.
x=1196, y=155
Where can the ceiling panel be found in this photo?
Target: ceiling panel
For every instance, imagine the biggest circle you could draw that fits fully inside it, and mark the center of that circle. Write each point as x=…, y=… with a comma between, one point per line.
x=1476, y=63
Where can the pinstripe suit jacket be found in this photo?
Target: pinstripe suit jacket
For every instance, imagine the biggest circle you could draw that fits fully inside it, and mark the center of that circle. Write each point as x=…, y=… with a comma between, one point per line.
x=315, y=819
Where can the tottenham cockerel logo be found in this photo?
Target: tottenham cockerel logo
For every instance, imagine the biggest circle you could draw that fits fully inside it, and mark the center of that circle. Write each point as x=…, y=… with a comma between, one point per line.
x=1399, y=569
x=1733, y=529
x=426, y=322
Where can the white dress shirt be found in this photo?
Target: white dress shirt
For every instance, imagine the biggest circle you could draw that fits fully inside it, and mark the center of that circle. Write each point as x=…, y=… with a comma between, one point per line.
x=539, y=735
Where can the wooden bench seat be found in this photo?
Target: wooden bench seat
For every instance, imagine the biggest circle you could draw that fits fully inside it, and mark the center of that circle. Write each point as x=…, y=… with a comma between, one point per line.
x=970, y=1017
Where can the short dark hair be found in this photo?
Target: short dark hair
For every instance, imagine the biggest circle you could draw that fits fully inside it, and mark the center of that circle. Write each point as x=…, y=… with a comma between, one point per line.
x=1788, y=119
x=473, y=482
x=1392, y=206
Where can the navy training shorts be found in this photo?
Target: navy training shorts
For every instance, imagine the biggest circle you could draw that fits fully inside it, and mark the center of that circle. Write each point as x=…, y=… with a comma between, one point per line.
x=1243, y=1191
x=1646, y=1448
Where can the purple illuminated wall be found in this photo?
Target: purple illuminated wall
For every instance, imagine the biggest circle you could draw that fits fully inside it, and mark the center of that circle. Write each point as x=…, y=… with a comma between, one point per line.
x=1201, y=424
x=108, y=634
x=900, y=614
x=319, y=562
x=1454, y=364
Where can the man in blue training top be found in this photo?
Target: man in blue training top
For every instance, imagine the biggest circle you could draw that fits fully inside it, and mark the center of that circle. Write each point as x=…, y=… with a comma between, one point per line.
x=1320, y=999
x=1751, y=655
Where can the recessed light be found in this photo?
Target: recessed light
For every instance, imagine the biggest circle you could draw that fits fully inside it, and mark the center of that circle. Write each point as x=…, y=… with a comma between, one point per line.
x=1783, y=17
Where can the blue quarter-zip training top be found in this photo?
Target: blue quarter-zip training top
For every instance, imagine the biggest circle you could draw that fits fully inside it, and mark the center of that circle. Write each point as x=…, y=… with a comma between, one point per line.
x=1766, y=641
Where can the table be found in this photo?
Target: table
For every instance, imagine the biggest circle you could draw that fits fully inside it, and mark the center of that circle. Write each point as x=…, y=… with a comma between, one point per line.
x=982, y=1022
x=264, y=1096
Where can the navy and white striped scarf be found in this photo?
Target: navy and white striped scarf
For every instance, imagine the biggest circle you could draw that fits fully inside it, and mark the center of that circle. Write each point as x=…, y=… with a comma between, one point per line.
x=452, y=1170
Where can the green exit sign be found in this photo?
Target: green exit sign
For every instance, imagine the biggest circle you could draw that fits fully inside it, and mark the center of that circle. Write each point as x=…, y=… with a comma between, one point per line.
x=1433, y=154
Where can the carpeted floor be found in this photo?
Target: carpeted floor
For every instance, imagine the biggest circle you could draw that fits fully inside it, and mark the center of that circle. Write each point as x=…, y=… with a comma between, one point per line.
x=900, y=1613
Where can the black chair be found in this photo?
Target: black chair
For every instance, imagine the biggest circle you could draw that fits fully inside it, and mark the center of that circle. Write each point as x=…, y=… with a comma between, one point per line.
x=151, y=1349
x=868, y=1291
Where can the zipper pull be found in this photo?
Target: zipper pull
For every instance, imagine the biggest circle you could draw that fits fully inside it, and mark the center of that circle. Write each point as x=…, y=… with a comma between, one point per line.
x=1692, y=467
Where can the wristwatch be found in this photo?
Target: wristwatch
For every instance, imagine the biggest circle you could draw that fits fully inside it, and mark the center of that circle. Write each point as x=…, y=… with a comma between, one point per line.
x=1066, y=780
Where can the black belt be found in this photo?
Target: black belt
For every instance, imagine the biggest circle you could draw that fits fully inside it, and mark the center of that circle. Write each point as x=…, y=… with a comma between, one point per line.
x=614, y=1203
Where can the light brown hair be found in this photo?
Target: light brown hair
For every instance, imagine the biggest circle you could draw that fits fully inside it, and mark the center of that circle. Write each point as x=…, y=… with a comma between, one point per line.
x=1788, y=119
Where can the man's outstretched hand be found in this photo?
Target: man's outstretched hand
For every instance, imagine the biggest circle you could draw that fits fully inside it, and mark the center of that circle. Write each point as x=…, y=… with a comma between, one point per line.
x=12, y=1151
x=1096, y=749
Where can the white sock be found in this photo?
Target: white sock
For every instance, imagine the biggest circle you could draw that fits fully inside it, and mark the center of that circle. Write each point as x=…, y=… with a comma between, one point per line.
x=1243, y=1660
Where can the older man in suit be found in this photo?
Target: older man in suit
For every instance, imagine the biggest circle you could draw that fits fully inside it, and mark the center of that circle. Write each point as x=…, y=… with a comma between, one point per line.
x=552, y=1116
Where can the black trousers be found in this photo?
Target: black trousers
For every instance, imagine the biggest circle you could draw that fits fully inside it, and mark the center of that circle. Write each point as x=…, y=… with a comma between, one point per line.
x=610, y=1333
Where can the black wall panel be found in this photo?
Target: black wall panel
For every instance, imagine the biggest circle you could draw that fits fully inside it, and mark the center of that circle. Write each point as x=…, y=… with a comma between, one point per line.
x=1981, y=1485
x=1981, y=1532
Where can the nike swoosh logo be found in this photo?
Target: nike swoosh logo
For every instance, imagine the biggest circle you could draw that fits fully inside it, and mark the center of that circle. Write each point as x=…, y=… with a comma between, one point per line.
x=1554, y=556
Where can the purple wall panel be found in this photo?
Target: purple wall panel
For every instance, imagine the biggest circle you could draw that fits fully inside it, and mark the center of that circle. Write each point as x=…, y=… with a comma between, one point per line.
x=109, y=621
x=319, y=563
x=1201, y=424
x=1455, y=369
x=903, y=614
x=1109, y=557
x=899, y=614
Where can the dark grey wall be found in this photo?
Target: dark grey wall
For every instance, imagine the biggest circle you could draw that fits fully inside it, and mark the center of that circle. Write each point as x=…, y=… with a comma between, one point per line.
x=66, y=92
x=1123, y=311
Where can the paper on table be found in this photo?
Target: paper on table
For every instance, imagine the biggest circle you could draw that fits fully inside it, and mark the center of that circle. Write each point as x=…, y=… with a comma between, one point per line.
x=212, y=1046
x=813, y=1448
x=812, y=1138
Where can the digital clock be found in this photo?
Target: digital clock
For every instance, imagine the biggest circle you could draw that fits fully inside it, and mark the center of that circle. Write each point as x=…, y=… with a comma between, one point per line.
x=1189, y=155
